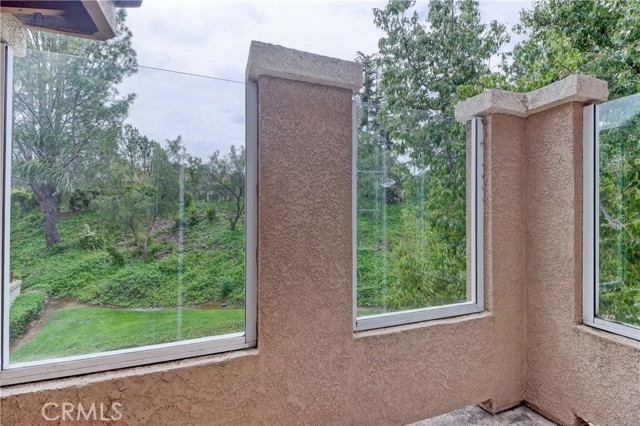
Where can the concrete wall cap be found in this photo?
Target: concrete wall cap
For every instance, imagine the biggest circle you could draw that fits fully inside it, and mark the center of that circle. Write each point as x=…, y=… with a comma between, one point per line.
x=278, y=61
x=575, y=88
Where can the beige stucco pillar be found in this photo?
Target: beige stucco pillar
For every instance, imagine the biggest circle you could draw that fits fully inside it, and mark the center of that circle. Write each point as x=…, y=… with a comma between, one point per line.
x=573, y=372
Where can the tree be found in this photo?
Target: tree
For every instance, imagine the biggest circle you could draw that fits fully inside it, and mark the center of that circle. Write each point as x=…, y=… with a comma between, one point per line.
x=594, y=37
x=429, y=63
x=196, y=178
x=137, y=150
x=66, y=101
x=228, y=176
x=137, y=207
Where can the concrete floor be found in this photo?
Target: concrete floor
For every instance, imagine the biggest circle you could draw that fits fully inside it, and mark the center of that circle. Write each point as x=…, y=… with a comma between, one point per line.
x=474, y=415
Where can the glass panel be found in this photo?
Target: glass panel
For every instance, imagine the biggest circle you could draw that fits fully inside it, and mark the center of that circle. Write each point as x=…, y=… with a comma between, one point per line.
x=618, y=292
x=127, y=207
x=411, y=211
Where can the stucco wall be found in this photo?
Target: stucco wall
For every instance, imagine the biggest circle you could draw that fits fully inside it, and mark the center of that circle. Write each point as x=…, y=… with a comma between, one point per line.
x=310, y=367
x=572, y=370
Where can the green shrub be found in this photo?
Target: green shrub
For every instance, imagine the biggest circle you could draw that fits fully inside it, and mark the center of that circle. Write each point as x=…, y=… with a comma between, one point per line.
x=132, y=285
x=211, y=214
x=90, y=239
x=23, y=200
x=117, y=256
x=81, y=199
x=192, y=216
x=25, y=309
x=67, y=275
x=225, y=287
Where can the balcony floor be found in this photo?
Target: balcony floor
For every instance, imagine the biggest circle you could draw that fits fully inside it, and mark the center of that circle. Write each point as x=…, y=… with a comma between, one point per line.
x=474, y=415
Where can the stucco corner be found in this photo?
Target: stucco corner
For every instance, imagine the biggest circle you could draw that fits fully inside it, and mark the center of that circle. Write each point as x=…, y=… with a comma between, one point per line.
x=278, y=61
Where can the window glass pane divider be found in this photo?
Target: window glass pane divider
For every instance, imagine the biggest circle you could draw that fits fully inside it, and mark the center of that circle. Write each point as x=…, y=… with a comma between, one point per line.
x=589, y=222
x=354, y=211
x=6, y=115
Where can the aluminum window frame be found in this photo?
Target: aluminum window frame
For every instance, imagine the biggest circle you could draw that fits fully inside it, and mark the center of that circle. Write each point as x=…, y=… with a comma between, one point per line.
x=590, y=229
x=11, y=374
x=476, y=302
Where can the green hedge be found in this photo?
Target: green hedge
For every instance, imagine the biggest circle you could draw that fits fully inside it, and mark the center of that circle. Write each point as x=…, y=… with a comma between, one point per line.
x=25, y=309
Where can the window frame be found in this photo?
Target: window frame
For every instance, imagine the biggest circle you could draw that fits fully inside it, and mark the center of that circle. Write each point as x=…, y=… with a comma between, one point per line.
x=590, y=229
x=476, y=302
x=111, y=360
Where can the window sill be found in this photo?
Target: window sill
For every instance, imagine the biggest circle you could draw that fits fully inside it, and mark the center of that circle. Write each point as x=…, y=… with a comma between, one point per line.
x=608, y=336
x=426, y=324
x=123, y=373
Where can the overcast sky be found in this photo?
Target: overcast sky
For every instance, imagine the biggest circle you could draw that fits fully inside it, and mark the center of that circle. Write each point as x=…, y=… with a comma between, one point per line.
x=211, y=38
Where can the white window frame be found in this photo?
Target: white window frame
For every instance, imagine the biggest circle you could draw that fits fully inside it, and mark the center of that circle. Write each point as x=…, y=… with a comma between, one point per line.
x=83, y=364
x=476, y=302
x=590, y=229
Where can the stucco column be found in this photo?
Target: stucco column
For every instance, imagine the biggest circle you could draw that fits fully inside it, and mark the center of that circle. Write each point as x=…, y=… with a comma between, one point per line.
x=304, y=216
x=573, y=372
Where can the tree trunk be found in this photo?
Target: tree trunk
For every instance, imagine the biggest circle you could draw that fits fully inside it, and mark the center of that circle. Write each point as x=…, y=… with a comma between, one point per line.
x=46, y=195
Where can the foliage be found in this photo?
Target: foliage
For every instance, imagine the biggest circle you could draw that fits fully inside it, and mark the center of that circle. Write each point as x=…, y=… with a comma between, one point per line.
x=90, y=239
x=620, y=218
x=228, y=176
x=136, y=149
x=593, y=37
x=129, y=286
x=80, y=199
x=429, y=61
x=25, y=309
x=114, y=275
x=66, y=105
x=117, y=256
x=429, y=272
x=22, y=200
x=137, y=209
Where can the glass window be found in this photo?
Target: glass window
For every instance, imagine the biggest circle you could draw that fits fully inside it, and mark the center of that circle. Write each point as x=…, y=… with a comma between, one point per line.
x=612, y=198
x=416, y=217
x=126, y=214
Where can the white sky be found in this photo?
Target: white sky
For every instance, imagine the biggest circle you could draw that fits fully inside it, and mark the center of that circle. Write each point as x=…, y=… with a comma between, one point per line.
x=212, y=38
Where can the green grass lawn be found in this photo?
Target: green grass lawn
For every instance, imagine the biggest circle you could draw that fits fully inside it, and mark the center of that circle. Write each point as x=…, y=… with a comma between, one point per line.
x=84, y=330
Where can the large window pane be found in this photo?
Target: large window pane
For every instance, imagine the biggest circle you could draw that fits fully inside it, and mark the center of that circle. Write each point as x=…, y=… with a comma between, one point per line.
x=411, y=207
x=127, y=207
x=618, y=290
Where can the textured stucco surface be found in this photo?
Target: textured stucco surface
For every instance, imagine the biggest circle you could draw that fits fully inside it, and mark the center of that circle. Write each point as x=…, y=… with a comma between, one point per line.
x=310, y=368
x=571, y=369
x=13, y=33
x=575, y=88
